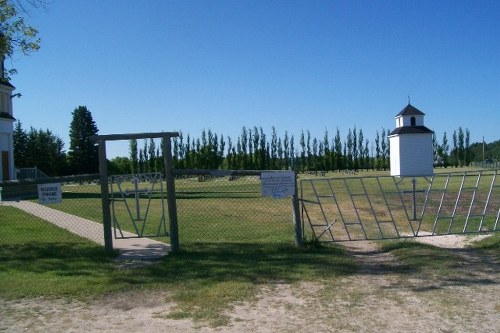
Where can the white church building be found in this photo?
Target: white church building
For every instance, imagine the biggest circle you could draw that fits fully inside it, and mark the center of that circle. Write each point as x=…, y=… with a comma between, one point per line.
x=7, y=169
x=411, y=150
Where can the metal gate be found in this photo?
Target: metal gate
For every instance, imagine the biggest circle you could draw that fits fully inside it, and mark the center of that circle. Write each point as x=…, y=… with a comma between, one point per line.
x=137, y=203
x=384, y=207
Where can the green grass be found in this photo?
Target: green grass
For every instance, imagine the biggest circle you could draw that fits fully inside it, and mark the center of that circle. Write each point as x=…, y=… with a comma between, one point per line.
x=38, y=259
x=422, y=259
x=490, y=244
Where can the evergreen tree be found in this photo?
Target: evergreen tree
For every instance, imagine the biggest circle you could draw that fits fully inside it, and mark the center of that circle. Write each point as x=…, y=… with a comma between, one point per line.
x=44, y=151
x=20, y=145
x=83, y=153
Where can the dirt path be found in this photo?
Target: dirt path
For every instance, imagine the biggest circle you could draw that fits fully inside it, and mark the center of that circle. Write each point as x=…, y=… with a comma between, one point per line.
x=376, y=299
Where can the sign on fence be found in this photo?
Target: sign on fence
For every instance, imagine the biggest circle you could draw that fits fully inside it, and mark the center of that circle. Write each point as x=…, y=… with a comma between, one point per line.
x=49, y=193
x=278, y=184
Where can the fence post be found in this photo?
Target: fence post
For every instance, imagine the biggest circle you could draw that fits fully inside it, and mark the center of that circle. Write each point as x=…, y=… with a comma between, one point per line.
x=299, y=241
x=171, y=203
x=106, y=213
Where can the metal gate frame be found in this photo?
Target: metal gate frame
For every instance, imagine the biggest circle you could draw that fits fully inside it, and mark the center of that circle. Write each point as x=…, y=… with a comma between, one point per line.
x=385, y=207
x=138, y=217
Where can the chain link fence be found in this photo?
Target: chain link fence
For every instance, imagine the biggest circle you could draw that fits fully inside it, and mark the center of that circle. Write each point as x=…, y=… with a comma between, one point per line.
x=211, y=207
x=76, y=216
x=218, y=206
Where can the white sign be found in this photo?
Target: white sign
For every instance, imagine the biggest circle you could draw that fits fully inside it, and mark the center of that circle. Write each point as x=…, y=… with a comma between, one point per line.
x=49, y=193
x=278, y=184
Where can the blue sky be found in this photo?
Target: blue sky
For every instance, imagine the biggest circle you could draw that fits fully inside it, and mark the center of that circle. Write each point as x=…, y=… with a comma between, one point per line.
x=151, y=66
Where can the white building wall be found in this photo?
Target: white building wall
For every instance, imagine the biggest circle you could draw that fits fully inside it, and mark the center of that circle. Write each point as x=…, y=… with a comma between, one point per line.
x=394, y=157
x=7, y=131
x=413, y=155
x=406, y=120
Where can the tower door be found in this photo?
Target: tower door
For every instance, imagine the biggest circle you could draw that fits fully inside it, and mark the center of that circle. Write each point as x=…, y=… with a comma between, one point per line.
x=5, y=165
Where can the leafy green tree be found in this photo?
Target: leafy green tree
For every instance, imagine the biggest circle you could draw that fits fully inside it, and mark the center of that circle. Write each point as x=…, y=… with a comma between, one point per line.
x=83, y=154
x=119, y=166
x=15, y=35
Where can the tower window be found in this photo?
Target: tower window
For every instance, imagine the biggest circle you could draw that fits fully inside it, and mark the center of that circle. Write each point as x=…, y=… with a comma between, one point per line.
x=412, y=121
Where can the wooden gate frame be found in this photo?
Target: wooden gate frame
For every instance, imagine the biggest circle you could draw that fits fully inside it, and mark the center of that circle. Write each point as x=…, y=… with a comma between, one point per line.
x=103, y=172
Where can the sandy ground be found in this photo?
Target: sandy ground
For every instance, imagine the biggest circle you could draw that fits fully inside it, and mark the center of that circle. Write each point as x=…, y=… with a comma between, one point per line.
x=377, y=299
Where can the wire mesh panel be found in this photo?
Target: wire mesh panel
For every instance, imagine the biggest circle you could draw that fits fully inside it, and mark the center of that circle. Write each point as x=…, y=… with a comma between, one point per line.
x=78, y=213
x=225, y=208
x=362, y=208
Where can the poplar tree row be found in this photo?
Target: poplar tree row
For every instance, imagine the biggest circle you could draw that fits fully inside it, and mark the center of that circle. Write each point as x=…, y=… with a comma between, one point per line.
x=253, y=149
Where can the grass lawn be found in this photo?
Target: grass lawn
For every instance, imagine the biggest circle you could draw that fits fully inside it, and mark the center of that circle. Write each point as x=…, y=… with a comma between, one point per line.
x=204, y=279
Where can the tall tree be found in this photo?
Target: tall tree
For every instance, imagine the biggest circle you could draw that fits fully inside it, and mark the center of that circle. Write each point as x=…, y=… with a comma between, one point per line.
x=286, y=151
x=82, y=155
x=274, y=148
x=467, y=153
x=384, y=148
x=377, y=151
x=45, y=151
x=454, y=152
x=134, y=159
x=461, y=147
x=153, y=159
x=361, y=150
x=348, y=146
x=337, y=145
x=445, y=147
x=20, y=145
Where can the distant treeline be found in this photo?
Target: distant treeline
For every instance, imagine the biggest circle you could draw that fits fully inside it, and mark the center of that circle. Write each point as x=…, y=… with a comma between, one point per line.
x=253, y=149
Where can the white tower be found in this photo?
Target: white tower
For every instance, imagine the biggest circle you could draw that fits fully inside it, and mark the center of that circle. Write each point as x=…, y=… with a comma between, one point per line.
x=7, y=170
x=411, y=145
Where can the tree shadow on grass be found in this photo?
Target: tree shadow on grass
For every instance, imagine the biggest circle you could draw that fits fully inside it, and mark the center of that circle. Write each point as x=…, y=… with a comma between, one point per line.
x=248, y=262
x=431, y=268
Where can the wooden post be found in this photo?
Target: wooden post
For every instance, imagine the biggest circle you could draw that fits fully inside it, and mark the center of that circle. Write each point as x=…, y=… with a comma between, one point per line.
x=299, y=241
x=171, y=202
x=106, y=213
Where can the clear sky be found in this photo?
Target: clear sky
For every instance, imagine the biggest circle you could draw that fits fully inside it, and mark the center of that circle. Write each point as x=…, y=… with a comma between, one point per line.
x=152, y=66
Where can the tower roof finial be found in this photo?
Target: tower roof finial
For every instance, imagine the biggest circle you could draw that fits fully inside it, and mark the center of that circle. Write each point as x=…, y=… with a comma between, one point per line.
x=409, y=99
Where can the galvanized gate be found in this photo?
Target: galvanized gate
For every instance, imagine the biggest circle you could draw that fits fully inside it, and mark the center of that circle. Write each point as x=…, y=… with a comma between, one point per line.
x=137, y=203
x=384, y=207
